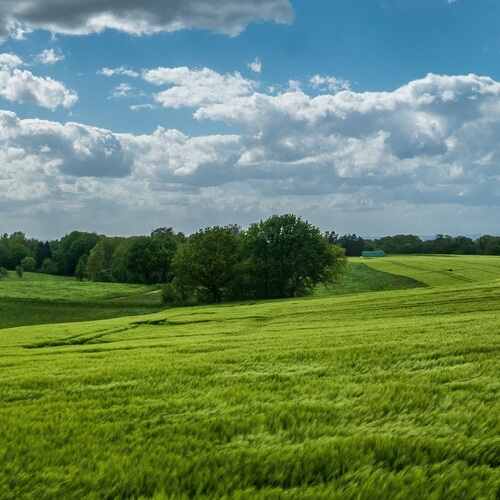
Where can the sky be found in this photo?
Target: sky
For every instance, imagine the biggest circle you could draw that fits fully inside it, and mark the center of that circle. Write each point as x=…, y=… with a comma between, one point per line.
x=370, y=116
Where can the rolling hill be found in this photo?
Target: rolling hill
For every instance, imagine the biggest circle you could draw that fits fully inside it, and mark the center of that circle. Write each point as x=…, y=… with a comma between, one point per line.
x=388, y=394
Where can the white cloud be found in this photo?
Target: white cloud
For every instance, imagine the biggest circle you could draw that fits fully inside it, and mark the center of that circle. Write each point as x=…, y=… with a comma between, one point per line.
x=329, y=83
x=434, y=142
x=197, y=87
x=10, y=60
x=152, y=16
x=22, y=86
x=121, y=71
x=50, y=56
x=122, y=90
x=255, y=65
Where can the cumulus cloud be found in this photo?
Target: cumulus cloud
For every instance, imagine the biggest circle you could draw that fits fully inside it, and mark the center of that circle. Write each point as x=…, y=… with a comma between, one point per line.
x=432, y=142
x=197, y=87
x=19, y=85
x=50, y=56
x=64, y=149
x=329, y=83
x=10, y=60
x=146, y=17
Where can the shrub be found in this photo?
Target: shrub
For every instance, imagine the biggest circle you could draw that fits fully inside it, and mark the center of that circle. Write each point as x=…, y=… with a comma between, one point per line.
x=3, y=273
x=29, y=264
x=19, y=271
x=49, y=267
x=176, y=294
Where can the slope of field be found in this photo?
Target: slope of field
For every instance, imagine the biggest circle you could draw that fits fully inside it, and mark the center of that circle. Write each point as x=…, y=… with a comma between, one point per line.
x=370, y=396
x=40, y=299
x=444, y=270
x=361, y=278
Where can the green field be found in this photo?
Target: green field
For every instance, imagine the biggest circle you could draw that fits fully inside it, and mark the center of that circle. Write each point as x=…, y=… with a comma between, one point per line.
x=38, y=299
x=380, y=395
x=440, y=270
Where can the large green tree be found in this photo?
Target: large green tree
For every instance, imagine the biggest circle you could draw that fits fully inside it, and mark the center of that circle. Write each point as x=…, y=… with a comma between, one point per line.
x=288, y=257
x=207, y=262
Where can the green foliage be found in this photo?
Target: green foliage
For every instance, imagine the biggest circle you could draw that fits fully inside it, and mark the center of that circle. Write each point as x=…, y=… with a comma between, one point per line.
x=19, y=271
x=14, y=248
x=29, y=264
x=376, y=396
x=3, y=273
x=99, y=265
x=148, y=259
x=81, y=271
x=207, y=261
x=489, y=245
x=352, y=244
x=49, y=267
x=288, y=257
x=71, y=248
x=399, y=244
x=177, y=293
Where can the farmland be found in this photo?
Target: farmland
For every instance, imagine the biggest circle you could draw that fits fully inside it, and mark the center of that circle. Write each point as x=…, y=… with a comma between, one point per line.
x=38, y=299
x=383, y=394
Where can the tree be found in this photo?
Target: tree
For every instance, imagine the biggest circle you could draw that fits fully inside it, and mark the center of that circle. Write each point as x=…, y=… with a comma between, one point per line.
x=19, y=271
x=353, y=245
x=207, y=261
x=29, y=264
x=99, y=264
x=289, y=256
x=49, y=267
x=489, y=245
x=400, y=244
x=71, y=248
x=42, y=252
x=81, y=268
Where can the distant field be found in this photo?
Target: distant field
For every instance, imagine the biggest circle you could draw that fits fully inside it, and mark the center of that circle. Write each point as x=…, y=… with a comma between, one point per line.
x=379, y=395
x=39, y=299
x=440, y=270
x=361, y=278
x=44, y=286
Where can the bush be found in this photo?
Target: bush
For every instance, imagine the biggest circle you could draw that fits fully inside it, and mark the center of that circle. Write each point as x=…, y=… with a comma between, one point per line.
x=3, y=273
x=49, y=267
x=175, y=294
x=29, y=264
x=19, y=271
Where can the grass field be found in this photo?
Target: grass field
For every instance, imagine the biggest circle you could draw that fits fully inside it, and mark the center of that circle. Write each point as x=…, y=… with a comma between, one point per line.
x=391, y=394
x=440, y=270
x=39, y=299
x=361, y=278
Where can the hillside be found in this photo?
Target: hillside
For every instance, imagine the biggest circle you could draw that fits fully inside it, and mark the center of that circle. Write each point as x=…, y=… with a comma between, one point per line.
x=38, y=299
x=434, y=270
x=379, y=395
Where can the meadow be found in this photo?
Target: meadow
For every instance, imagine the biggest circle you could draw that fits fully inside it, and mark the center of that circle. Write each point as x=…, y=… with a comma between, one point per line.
x=37, y=299
x=375, y=395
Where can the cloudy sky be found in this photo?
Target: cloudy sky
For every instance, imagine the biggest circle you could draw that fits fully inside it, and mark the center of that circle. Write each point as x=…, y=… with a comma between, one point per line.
x=374, y=116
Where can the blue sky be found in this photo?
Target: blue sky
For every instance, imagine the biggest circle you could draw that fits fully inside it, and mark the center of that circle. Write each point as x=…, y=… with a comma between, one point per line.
x=374, y=116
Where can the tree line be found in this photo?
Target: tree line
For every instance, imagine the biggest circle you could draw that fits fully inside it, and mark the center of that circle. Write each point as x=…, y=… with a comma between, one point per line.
x=355, y=245
x=282, y=256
